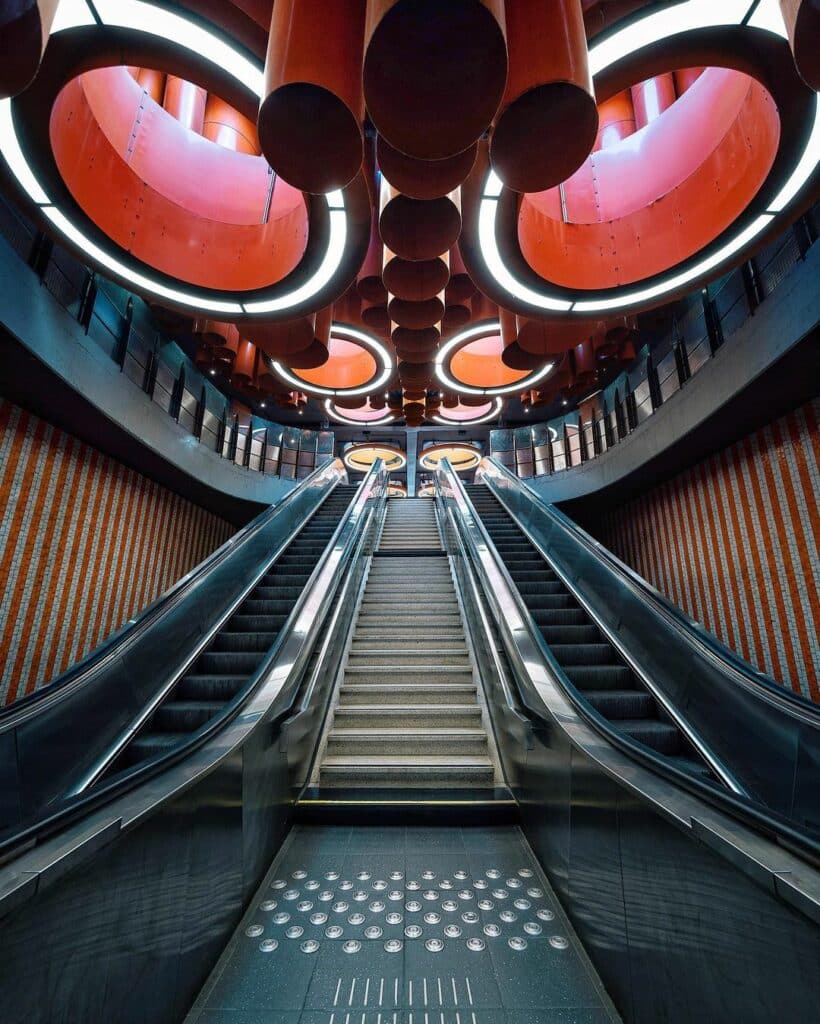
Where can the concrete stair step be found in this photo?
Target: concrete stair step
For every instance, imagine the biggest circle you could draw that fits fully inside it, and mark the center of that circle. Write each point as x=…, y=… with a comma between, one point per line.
x=426, y=772
x=407, y=645
x=357, y=693
x=399, y=661
x=377, y=631
x=420, y=618
x=406, y=742
x=408, y=716
x=408, y=673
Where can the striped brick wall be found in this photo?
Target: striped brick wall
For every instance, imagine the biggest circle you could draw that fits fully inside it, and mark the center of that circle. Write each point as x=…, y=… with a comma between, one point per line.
x=734, y=542
x=84, y=544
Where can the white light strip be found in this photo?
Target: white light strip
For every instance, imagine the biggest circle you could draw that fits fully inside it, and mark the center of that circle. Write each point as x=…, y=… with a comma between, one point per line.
x=151, y=19
x=481, y=331
x=695, y=14
x=491, y=415
x=336, y=415
x=373, y=345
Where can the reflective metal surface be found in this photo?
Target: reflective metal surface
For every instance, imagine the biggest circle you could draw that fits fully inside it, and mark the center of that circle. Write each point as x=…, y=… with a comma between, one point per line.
x=767, y=737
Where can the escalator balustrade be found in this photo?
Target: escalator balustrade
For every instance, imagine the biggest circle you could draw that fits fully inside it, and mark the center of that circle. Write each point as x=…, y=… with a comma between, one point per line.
x=589, y=660
x=235, y=653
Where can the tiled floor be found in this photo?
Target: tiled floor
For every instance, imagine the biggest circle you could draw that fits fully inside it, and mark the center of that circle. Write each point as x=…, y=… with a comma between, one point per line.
x=402, y=925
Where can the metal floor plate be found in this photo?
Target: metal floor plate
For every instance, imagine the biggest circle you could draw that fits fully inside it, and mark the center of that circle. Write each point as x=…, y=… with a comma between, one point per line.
x=403, y=925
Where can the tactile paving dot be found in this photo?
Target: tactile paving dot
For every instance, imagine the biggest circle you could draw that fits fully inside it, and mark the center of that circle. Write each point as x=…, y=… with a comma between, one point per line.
x=522, y=904
x=351, y=946
x=545, y=915
x=393, y=946
x=558, y=942
x=461, y=874
x=332, y=876
x=281, y=918
x=318, y=918
x=492, y=930
x=476, y=944
x=394, y=918
x=309, y=946
x=291, y=894
x=533, y=928
x=376, y=907
x=525, y=872
x=428, y=875
x=500, y=894
x=481, y=883
x=295, y=931
x=254, y=931
x=345, y=886
x=363, y=876
x=334, y=931
x=486, y=905
x=356, y=919
x=434, y=945
x=432, y=918
x=445, y=884
x=326, y=896
x=268, y=945
x=341, y=907
x=413, y=931
x=471, y=917
x=413, y=885
x=373, y=932
x=360, y=896
x=508, y=915
x=395, y=894
x=312, y=885
x=493, y=873
x=396, y=876
x=379, y=885
x=452, y=931
x=449, y=905
x=412, y=906
x=465, y=894
x=536, y=894
x=279, y=883
x=514, y=883
x=303, y=906
x=301, y=873
x=517, y=943
x=268, y=905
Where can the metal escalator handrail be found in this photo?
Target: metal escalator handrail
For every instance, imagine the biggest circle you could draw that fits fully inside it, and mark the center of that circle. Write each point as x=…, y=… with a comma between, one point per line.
x=112, y=647
x=537, y=674
x=691, y=632
x=280, y=667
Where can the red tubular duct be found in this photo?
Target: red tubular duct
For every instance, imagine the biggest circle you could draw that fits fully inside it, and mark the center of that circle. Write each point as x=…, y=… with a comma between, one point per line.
x=424, y=179
x=450, y=400
x=153, y=82
x=686, y=78
x=310, y=122
x=25, y=26
x=416, y=315
x=434, y=72
x=802, y=18
x=414, y=280
x=616, y=120
x=375, y=315
x=245, y=364
x=540, y=338
x=548, y=121
x=414, y=414
x=424, y=340
x=513, y=355
x=228, y=128
x=185, y=102
x=222, y=339
x=652, y=97
x=317, y=353
x=457, y=312
x=418, y=229
x=461, y=285
x=282, y=339
x=369, y=280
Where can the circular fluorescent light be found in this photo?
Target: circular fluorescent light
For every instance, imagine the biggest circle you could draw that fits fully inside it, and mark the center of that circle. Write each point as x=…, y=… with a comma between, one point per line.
x=360, y=457
x=461, y=456
x=497, y=406
x=376, y=348
x=347, y=416
x=447, y=350
x=149, y=19
x=673, y=20
x=396, y=490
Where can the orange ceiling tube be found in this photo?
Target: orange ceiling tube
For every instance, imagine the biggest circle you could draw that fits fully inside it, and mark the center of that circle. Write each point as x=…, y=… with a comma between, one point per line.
x=317, y=353
x=369, y=279
x=686, y=78
x=616, y=120
x=414, y=412
x=652, y=97
x=457, y=311
x=185, y=102
x=415, y=280
x=228, y=128
x=450, y=400
x=513, y=355
x=432, y=101
x=617, y=340
x=24, y=30
x=418, y=229
x=282, y=339
x=221, y=339
x=461, y=284
x=416, y=315
x=545, y=339
x=246, y=365
x=415, y=346
x=377, y=402
x=802, y=18
x=425, y=179
x=548, y=121
x=375, y=315
x=310, y=122
x=153, y=82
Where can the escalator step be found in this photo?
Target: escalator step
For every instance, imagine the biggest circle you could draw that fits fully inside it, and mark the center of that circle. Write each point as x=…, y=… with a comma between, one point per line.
x=242, y=641
x=265, y=592
x=570, y=634
x=584, y=654
x=622, y=703
x=600, y=677
x=549, y=618
x=660, y=736
x=228, y=662
x=242, y=623
x=532, y=575
x=152, y=744
x=275, y=608
x=204, y=688
x=689, y=764
x=528, y=590
x=185, y=715
x=549, y=604
x=554, y=598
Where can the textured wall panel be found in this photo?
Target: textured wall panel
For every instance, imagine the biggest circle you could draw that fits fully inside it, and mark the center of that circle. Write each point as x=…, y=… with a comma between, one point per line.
x=84, y=544
x=734, y=542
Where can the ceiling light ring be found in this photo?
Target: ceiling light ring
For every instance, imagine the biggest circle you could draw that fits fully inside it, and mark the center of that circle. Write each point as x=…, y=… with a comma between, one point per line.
x=385, y=366
x=338, y=224
x=494, y=413
x=430, y=457
x=491, y=211
x=394, y=458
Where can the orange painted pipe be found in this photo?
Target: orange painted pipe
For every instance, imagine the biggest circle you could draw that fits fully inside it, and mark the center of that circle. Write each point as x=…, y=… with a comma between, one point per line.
x=185, y=102
x=377, y=402
x=616, y=120
x=283, y=338
x=425, y=339
x=541, y=338
x=461, y=285
x=310, y=122
x=317, y=353
x=244, y=367
x=410, y=355
x=153, y=82
x=415, y=280
x=434, y=73
x=686, y=78
x=418, y=229
x=450, y=400
x=424, y=179
x=414, y=414
x=802, y=18
x=375, y=315
x=548, y=120
x=369, y=279
x=513, y=355
x=416, y=315
x=228, y=128
x=25, y=26
x=652, y=97
x=586, y=371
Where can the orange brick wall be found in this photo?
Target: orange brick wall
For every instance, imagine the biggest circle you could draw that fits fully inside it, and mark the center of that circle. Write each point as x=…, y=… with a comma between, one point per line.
x=85, y=543
x=734, y=541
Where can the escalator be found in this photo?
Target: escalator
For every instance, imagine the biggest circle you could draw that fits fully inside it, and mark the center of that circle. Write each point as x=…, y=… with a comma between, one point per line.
x=591, y=663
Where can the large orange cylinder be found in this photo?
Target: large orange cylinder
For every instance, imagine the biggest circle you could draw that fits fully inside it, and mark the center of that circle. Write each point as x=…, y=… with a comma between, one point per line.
x=418, y=229
x=369, y=279
x=686, y=78
x=802, y=18
x=461, y=284
x=548, y=120
x=153, y=82
x=244, y=367
x=283, y=338
x=434, y=72
x=25, y=26
x=541, y=338
x=424, y=179
x=416, y=315
x=616, y=120
x=415, y=280
x=513, y=355
x=186, y=102
x=310, y=122
x=652, y=97
x=317, y=352
x=418, y=341
x=457, y=312
x=228, y=128
x=375, y=315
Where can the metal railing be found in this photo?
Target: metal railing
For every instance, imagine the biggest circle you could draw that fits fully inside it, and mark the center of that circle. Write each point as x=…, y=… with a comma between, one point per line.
x=699, y=326
x=107, y=315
